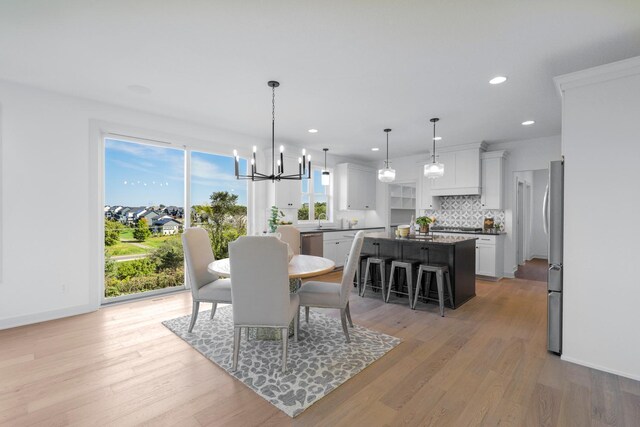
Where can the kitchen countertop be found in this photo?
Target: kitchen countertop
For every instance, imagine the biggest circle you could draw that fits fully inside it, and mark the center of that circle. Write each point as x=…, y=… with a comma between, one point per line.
x=329, y=229
x=438, y=240
x=489, y=233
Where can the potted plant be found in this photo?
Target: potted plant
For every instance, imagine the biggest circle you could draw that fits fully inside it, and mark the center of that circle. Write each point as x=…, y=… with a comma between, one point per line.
x=276, y=214
x=423, y=222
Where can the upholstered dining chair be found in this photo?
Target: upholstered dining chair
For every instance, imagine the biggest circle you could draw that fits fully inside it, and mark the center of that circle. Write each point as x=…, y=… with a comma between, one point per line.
x=260, y=292
x=290, y=235
x=205, y=286
x=334, y=295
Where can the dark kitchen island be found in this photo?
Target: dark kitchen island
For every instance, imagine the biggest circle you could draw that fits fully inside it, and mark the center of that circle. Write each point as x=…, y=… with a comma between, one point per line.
x=459, y=253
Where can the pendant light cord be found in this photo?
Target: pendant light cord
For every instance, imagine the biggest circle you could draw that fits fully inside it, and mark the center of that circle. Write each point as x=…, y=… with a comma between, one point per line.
x=273, y=129
x=387, y=162
x=434, y=142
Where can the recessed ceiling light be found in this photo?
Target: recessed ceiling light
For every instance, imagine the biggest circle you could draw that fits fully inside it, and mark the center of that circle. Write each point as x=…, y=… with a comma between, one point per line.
x=375, y=149
x=313, y=131
x=497, y=80
x=528, y=123
x=437, y=138
x=139, y=89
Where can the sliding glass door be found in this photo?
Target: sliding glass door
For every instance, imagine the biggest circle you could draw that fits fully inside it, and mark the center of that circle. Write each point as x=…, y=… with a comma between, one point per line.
x=144, y=213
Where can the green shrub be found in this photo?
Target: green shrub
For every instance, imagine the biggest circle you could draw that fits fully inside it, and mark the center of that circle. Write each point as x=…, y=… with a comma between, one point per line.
x=131, y=285
x=135, y=268
x=169, y=255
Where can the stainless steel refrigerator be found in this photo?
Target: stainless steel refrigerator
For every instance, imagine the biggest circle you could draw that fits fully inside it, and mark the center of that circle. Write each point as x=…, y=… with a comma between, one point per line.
x=553, y=214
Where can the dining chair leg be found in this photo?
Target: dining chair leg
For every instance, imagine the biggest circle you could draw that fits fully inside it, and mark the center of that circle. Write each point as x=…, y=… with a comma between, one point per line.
x=285, y=342
x=343, y=318
x=194, y=314
x=296, y=324
x=306, y=314
x=213, y=309
x=246, y=331
x=236, y=347
x=348, y=311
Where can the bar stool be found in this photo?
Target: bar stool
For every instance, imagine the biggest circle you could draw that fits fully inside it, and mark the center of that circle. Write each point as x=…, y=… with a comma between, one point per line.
x=408, y=266
x=356, y=282
x=381, y=263
x=439, y=270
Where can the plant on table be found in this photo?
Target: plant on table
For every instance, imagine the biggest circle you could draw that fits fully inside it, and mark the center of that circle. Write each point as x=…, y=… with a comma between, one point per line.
x=423, y=222
x=274, y=219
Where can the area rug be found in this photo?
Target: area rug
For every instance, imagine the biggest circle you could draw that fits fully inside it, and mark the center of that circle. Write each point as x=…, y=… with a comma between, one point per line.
x=318, y=363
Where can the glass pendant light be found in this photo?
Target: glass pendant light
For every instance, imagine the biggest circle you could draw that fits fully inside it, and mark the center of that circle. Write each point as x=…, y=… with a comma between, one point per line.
x=326, y=177
x=434, y=169
x=387, y=174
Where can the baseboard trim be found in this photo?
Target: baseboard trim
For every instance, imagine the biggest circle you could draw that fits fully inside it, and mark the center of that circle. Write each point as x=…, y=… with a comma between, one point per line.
x=538, y=256
x=29, y=319
x=599, y=368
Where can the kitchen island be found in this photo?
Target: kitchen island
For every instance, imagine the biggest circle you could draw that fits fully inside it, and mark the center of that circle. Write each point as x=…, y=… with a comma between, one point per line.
x=459, y=253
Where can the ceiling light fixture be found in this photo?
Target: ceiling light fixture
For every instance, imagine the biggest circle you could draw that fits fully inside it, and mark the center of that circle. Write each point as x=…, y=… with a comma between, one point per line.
x=437, y=138
x=497, y=80
x=434, y=169
x=528, y=123
x=304, y=168
x=387, y=174
x=375, y=149
x=313, y=131
x=326, y=177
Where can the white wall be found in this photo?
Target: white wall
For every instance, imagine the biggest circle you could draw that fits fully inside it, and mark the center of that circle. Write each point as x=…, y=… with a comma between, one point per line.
x=50, y=196
x=538, y=237
x=601, y=146
x=527, y=155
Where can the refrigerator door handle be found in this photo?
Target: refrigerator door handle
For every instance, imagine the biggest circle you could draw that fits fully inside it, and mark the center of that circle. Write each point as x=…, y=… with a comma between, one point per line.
x=545, y=210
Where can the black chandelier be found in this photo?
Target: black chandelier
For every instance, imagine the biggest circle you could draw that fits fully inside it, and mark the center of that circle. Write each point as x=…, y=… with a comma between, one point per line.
x=304, y=162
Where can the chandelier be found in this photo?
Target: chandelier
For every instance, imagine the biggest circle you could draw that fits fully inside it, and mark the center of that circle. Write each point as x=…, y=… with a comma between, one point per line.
x=277, y=174
x=434, y=169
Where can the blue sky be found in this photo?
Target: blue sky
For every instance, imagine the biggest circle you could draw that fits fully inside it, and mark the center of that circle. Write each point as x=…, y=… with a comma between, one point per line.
x=142, y=175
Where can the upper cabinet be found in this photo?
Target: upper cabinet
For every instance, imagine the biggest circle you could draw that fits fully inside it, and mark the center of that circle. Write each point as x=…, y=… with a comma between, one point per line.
x=289, y=192
x=357, y=187
x=461, y=171
x=426, y=200
x=492, y=165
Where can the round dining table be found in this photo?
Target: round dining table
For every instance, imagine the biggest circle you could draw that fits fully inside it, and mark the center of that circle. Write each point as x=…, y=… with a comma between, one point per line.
x=300, y=267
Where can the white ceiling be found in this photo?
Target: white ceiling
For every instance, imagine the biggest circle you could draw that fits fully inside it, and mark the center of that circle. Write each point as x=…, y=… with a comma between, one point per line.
x=347, y=68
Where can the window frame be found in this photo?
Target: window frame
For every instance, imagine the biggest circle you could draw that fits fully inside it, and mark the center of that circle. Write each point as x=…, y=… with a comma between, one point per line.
x=328, y=193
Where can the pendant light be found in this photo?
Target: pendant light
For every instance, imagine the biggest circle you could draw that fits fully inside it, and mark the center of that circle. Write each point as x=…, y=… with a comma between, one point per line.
x=326, y=177
x=304, y=162
x=387, y=174
x=434, y=169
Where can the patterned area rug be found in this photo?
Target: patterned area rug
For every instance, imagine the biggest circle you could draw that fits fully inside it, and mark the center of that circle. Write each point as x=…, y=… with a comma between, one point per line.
x=317, y=364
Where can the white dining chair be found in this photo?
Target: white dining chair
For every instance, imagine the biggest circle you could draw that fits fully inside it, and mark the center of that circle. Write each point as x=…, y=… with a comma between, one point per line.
x=334, y=295
x=290, y=235
x=205, y=286
x=261, y=299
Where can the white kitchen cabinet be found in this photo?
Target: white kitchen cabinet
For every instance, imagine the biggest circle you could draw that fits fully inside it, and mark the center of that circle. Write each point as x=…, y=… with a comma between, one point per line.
x=489, y=253
x=337, y=244
x=357, y=187
x=461, y=172
x=289, y=192
x=426, y=200
x=492, y=164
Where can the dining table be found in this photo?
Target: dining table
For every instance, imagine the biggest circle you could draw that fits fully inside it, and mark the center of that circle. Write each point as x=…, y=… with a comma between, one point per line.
x=300, y=267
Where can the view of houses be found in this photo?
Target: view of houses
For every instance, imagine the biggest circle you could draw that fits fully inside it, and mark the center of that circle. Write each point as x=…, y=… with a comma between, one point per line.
x=161, y=219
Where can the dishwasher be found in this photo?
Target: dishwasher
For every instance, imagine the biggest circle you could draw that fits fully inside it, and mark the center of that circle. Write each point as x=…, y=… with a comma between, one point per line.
x=311, y=244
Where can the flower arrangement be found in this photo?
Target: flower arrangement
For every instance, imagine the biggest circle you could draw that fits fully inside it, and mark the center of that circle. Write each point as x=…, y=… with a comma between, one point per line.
x=274, y=219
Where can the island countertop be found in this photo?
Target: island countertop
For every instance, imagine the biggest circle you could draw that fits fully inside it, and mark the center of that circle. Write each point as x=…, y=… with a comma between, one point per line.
x=420, y=239
x=457, y=252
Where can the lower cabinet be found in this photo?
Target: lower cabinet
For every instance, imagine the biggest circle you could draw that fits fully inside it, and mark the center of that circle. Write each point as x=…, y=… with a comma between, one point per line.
x=489, y=253
x=337, y=244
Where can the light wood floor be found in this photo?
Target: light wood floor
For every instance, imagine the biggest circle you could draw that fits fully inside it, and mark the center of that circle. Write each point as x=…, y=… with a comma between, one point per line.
x=484, y=363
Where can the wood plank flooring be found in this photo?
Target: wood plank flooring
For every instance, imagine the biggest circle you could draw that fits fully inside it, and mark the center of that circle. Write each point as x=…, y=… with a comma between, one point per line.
x=483, y=364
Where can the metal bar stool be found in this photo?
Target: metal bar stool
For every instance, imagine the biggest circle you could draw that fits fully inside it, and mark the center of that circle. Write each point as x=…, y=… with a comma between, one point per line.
x=356, y=282
x=407, y=266
x=439, y=270
x=381, y=263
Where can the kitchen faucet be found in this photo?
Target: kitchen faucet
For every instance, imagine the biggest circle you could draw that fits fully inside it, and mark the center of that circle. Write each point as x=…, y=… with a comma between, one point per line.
x=319, y=218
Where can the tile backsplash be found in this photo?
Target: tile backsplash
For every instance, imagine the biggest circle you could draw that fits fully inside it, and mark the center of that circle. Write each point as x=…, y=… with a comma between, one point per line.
x=463, y=211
